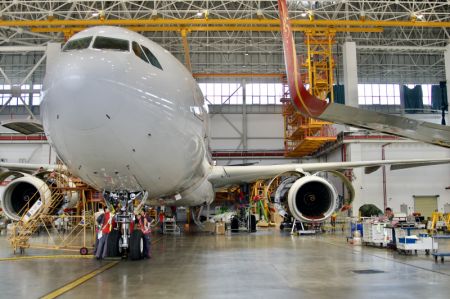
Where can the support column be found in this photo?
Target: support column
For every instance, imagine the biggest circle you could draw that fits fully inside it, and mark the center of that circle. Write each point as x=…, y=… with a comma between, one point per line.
x=447, y=77
x=53, y=50
x=350, y=74
x=244, y=118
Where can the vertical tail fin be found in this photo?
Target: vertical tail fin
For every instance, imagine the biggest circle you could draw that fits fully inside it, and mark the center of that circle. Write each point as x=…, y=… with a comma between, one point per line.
x=304, y=102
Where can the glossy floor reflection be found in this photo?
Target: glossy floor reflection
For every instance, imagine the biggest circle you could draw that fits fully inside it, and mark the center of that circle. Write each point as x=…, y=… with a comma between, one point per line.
x=267, y=264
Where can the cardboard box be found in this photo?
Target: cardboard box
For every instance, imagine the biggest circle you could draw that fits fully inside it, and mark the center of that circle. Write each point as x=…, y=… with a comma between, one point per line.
x=210, y=227
x=220, y=228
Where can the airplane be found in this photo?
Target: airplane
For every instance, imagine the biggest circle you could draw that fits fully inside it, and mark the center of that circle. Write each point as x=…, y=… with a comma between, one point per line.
x=124, y=115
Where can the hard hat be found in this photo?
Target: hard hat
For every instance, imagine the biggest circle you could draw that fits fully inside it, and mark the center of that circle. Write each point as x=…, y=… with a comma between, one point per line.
x=133, y=196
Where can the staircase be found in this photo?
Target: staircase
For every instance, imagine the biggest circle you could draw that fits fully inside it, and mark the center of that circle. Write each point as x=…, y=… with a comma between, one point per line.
x=32, y=218
x=170, y=227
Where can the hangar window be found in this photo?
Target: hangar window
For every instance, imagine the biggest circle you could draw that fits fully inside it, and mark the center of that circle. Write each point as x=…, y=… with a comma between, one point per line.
x=222, y=93
x=78, y=44
x=379, y=94
x=264, y=93
x=110, y=43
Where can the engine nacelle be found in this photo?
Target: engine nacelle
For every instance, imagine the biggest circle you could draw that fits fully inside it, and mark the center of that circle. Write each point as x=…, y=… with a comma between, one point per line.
x=21, y=192
x=312, y=199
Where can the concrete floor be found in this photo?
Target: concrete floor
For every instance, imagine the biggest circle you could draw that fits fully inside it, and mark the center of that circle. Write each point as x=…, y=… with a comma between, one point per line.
x=267, y=264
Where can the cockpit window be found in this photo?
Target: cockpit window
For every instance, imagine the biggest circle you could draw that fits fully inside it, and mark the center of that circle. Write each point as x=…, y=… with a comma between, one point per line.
x=109, y=43
x=145, y=54
x=151, y=58
x=78, y=44
x=138, y=51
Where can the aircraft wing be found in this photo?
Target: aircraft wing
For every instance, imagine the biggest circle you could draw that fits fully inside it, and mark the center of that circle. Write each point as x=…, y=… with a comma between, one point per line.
x=228, y=175
x=310, y=106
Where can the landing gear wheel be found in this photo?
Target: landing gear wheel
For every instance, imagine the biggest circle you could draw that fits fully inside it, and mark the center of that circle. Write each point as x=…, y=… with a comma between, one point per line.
x=234, y=225
x=84, y=251
x=136, y=245
x=282, y=227
x=252, y=223
x=112, y=245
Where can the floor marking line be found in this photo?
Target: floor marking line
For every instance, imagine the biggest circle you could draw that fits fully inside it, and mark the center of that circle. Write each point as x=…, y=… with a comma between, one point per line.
x=60, y=256
x=77, y=282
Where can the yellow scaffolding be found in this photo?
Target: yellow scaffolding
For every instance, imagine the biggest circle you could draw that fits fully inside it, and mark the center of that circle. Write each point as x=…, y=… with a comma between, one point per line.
x=303, y=135
x=74, y=236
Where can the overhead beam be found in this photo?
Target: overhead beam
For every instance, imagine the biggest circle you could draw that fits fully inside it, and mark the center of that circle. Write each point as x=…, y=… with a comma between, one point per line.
x=402, y=48
x=71, y=30
x=238, y=75
x=220, y=22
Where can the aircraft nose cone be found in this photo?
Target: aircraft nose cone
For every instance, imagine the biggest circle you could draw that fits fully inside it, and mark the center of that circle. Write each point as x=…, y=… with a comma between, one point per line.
x=77, y=88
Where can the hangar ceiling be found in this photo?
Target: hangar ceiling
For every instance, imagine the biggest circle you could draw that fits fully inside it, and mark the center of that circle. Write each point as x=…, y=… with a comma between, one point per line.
x=411, y=53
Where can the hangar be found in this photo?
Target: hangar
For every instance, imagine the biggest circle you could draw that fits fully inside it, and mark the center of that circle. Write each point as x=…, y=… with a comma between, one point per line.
x=254, y=198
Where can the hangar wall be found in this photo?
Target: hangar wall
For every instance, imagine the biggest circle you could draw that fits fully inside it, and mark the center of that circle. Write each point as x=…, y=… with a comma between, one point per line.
x=401, y=185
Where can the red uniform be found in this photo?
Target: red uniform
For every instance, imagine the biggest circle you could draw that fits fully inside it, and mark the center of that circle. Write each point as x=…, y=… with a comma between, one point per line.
x=106, y=227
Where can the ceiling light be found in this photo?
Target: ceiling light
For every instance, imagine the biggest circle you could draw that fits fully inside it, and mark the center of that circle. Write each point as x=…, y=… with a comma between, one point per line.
x=303, y=14
x=420, y=16
x=199, y=13
x=95, y=14
x=246, y=54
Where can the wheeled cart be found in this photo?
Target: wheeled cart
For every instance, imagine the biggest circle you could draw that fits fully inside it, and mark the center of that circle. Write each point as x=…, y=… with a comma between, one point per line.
x=410, y=244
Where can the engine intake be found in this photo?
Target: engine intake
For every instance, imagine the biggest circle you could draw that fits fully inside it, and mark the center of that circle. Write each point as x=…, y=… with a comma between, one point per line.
x=21, y=192
x=312, y=199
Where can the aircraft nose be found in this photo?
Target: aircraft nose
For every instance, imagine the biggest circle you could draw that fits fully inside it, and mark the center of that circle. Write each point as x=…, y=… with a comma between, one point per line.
x=82, y=91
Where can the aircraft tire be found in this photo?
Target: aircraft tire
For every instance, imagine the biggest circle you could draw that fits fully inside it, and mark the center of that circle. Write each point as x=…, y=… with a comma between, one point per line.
x=112, y=245
x=234, y=225
x=136, y=245
x=252, y=223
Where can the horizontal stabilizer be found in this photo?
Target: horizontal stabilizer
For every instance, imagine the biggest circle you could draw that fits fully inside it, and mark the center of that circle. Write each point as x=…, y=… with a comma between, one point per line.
x=406, y=165
x=368, y=170
x=24, y=126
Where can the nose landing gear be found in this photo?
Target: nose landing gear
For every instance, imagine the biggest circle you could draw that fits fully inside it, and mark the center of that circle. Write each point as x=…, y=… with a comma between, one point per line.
x=125, y=239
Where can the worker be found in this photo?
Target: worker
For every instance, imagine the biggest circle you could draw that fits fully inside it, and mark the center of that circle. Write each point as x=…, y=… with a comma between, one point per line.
x=38, y=171
x=333, y=221
x=51, y=179
x=388, y=213
x=144, y=225
x=103, y=235
x=98, y=216
x=161, y=220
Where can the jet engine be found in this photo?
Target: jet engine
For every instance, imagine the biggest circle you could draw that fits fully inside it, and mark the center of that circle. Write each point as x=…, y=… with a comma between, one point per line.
x=312, y=199
x=24, y=190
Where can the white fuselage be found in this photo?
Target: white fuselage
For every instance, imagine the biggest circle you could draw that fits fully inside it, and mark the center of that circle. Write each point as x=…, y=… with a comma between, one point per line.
x=120, y=123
